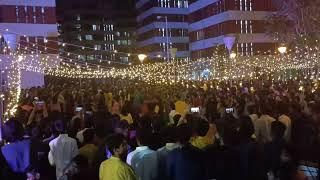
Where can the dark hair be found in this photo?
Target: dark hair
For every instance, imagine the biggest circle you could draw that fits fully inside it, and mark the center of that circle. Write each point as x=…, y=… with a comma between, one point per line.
x=283, y=108
x=114, y=141
x=123, y=124
x=144, y=136
x=278, y=129
x=246, y=127
x=88, y=135
x=184, y=133
x=59, y=126
x=252, y=109
x=13, y=130
x=202, y=128
x=125, y=108
x=169, y=134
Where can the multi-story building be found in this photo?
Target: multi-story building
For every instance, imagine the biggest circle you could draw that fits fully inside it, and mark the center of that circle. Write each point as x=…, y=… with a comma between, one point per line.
x=211, y=21
x=28, y=22
x=124, y=27
x=85, y=24
x=100, y=26
x=28, y=27
x=163, y=25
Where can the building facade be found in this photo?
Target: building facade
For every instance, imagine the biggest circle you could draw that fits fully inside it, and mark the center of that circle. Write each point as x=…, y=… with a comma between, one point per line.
x=85, y=24
x=106, y=30
x=125, y=27
x=27, y=27
x=211, y=22
x=29, y=24
x=162, y=25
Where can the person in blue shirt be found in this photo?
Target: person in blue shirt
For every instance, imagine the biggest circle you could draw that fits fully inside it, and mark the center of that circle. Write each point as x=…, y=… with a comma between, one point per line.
x=187, y=162
x=143, y=160
x=17, y=153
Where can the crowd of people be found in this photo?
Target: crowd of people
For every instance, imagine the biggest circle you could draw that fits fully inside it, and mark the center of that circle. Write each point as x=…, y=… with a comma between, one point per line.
x=120, y=130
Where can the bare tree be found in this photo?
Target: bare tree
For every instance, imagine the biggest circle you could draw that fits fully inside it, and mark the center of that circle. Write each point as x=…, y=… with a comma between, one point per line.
x=295, y=18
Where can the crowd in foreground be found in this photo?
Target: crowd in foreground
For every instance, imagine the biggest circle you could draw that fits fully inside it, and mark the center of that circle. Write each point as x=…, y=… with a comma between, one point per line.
x=108, y=131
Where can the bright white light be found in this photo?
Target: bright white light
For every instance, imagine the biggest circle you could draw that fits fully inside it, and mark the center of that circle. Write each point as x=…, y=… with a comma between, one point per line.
x=282, y=49
x=142, y=57
x=159, y=56
x=20, y=58
x=233, y=55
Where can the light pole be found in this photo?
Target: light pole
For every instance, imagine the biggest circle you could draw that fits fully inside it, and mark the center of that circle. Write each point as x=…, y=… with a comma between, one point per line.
x=167, y=35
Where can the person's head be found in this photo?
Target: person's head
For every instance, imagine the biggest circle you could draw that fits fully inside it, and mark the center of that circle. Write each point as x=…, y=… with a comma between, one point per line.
x=246, y=129
x=266, y=109
x=117, y=145
x=88, y=136
x=184, y=133
x=76, y=124
x=59, y=126
x=315, y=108
x=123, y=128
x=282, y=108
x=202, y=128
x=252, y=109
x=144, y=137
x=115, y=107
x=13, y=130
x=277, y=130
x=169, y=134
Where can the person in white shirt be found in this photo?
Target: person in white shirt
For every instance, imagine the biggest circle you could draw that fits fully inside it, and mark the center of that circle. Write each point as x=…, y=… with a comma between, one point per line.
x=143, y=160
x=172, y=113
x=62, y=150
x=263, y=125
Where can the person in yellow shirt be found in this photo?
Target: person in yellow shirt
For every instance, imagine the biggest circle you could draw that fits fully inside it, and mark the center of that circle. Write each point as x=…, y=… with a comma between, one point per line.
x=181, y=107
x=125, y=115
x=204, y=135
x=114, y=168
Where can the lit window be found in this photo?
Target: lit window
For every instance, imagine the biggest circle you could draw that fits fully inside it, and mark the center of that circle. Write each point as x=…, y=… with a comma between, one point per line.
x=78, y=26
x=97, y=47
x=129, y=42
x=94, y=27
x=79, y=37
x=118, y=42
x=17, y=13
x=78, y=17
x=89, y=37
x=117, y=33
x=124, y=42
x=124, y=59
x=90, y=57
x=42, y=10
